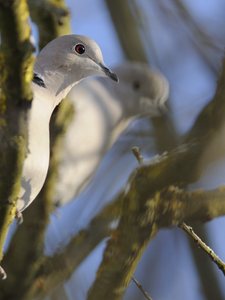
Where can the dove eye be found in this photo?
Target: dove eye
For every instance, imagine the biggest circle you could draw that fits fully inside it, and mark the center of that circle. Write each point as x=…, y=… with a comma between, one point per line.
x=136, y=85
x=80, y=49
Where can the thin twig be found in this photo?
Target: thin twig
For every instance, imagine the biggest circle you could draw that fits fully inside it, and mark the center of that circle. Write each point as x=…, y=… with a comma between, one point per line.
x=215, y=258
x=140, y=287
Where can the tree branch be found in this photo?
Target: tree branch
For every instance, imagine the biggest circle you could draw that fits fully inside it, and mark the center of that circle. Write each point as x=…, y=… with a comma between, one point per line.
x=16, y=61
x=58, y=268
x=177, y=206
x=127, y=29
x=23, y=264
x=169, y=207
x=215, y=258
x=52, y=15
x=144, y=210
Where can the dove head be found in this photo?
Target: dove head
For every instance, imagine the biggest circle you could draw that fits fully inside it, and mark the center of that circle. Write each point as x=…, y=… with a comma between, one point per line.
x=68, y=59
x=144, y=91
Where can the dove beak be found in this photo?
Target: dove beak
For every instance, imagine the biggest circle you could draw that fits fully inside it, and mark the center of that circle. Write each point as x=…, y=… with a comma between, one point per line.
x=109, y=73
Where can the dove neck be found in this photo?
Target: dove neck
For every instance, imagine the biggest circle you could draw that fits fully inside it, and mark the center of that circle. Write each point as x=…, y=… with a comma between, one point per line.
x=58, y=81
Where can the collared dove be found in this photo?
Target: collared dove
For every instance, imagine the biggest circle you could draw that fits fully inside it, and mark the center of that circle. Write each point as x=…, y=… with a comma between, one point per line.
x=102, y=111
x=59, y=66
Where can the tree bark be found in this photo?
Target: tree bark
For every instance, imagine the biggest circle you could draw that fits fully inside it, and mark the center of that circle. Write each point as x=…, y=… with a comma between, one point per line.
x=16, y=61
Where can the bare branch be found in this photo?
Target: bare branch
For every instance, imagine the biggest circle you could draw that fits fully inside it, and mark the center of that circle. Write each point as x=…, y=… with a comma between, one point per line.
x=140, y=287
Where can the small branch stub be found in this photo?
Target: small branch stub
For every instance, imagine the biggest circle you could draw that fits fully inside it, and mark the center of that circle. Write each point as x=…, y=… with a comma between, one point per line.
x=137, y=153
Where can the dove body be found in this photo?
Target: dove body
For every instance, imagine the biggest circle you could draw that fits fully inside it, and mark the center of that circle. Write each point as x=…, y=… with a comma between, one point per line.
x=103, y=110
x=59, y=66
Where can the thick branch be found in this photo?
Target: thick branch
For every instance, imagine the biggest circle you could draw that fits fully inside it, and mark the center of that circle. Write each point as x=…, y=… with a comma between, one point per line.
x=52, y=18
x=16, y=62
x=169, y=207
x=23, y=263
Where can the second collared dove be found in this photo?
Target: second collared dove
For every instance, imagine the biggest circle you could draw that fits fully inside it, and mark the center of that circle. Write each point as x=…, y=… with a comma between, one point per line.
x=59, y=66
x=102, y=111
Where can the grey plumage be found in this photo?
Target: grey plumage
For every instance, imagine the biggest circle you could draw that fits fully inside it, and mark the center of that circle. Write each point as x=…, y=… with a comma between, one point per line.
x=59, y=66
x=103, y=110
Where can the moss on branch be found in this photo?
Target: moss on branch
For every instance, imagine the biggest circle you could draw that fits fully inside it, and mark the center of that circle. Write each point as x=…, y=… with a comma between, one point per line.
x=143, y=218
x=52, y=19
x=16, y=62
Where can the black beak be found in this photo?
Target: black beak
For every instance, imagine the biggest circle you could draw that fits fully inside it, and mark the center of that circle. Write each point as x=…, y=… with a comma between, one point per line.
x=109, y=73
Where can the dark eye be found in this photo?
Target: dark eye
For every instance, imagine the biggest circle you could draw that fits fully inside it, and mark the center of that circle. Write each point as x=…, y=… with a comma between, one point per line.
x=136, y=85
x=79, y=48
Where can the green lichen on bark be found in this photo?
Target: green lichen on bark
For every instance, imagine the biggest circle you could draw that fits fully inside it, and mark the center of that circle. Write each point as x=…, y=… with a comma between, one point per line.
x=16, y=61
